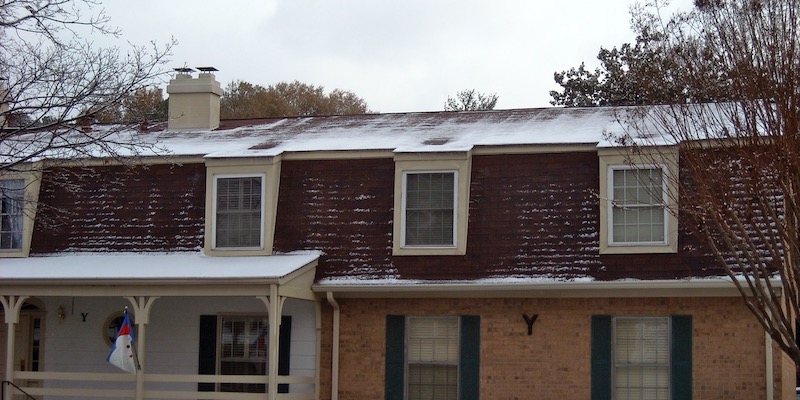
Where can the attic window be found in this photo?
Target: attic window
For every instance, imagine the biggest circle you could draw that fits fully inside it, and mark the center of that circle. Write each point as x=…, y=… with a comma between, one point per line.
x=436, y=141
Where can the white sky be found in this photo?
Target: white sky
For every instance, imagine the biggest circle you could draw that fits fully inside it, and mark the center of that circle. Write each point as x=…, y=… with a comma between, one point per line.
x=399, y=56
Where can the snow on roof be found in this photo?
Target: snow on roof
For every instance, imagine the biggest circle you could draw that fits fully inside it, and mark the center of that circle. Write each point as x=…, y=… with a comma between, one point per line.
x=403, y=132
x=152, y=266
x=399, y=132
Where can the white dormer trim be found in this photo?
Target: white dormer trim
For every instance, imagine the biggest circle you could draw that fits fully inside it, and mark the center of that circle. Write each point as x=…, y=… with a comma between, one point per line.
x=31, y=174
x=269, y=170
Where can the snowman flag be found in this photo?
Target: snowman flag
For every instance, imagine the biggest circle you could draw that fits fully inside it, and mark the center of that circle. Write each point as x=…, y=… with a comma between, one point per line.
x=122, y=352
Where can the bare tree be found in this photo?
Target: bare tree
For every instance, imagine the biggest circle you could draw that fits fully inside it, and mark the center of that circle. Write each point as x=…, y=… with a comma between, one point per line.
x=53, y=78
x=471, y=100
x=740, y=159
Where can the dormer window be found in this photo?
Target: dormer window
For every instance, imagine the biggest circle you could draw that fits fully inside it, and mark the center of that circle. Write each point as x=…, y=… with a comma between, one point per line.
x=430, y=203
x=429, y=208
x=239, y=212
x=638, y=194
x=241, y=203
x=12, y=205
x=19, y=196
x=638, y=205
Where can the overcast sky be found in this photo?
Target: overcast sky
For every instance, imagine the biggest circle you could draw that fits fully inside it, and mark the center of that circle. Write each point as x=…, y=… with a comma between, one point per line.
x=399, y=56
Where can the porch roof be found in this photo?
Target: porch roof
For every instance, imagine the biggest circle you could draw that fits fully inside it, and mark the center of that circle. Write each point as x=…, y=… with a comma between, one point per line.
x=159, y=274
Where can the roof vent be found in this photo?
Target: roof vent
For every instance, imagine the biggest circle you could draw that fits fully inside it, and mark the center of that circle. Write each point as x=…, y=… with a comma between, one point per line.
x=436, y=141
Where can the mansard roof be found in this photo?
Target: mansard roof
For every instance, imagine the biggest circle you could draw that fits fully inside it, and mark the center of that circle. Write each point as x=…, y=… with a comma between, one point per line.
x=402, y=132
x=399, y=132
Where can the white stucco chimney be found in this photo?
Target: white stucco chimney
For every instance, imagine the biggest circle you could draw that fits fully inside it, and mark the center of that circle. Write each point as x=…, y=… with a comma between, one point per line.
x=194, y=102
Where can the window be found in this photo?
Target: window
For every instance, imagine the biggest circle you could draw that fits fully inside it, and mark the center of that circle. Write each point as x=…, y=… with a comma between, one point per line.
x=638, y=205
x=112, y=326
x=238, y=217
x=12, y=205
x=641, y=358
x=241, y=204
x=638, y=195
x=238, y=345
x=431, y=204
x=432, y=357
x=243, y=351
x=429, y=209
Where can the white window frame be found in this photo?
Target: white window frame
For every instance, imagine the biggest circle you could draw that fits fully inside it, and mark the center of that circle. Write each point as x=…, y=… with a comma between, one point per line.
x=409, y=322
x=17, y=220
x=666, y=158
x=615, y=348
x=31, y=174
x=404, y=213
x=263, y=201
x=663, y=205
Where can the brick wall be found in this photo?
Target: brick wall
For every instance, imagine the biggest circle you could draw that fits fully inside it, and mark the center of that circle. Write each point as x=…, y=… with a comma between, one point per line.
x=554, y=363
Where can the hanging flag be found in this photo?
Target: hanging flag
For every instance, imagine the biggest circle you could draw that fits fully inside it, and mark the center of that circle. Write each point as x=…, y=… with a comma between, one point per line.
x=122, y=354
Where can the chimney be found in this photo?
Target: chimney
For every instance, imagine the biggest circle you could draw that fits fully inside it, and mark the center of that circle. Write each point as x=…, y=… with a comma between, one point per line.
x=193, y=102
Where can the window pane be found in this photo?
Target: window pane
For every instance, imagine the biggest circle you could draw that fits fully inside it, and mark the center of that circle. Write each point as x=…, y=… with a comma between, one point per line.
x=433, y=339
x=238, y=222
x=12, y=205
x=243, y=351
x=638, y=212
x=430, y=203
x=641, y=354
x=432, y=382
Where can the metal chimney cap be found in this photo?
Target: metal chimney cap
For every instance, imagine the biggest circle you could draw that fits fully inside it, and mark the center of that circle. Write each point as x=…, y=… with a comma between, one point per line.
x=184, y=70
x=207, y=69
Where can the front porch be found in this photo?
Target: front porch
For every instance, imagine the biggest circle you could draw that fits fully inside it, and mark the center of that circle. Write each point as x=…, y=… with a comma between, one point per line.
x=191, y=316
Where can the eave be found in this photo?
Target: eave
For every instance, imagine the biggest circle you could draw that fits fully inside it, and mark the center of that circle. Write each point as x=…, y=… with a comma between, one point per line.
x=161, y=275
x=700, y=287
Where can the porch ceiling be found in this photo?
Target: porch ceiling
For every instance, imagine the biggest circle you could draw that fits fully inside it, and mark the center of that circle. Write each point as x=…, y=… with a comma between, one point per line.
x=159, y=274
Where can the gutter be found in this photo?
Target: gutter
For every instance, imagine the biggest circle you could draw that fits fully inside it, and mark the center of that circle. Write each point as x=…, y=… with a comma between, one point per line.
x=770, y=371
x=335, y=349
x=711, y=287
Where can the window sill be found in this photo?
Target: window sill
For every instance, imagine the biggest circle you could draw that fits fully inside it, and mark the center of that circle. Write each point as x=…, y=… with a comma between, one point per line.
x=428, y=251
x=638, y=248
x=12, y=253
x=237, y=252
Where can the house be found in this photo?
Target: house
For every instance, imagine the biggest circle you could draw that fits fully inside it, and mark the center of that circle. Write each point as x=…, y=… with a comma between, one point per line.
x=435, y=255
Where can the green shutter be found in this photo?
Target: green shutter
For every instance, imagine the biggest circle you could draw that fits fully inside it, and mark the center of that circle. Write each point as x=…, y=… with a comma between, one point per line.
x=601, y=357
x=470, y=357
x=681, y=357
x=207, y=351
x=284, y=350
x=395, y=356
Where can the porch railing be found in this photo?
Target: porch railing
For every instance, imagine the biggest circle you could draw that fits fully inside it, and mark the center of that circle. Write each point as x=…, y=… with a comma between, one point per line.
x=5, y=384
x=161, y=386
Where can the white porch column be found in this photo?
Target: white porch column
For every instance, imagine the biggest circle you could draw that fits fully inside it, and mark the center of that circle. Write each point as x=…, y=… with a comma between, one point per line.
x=11, y=306
x=274, y=306
x=141, y=310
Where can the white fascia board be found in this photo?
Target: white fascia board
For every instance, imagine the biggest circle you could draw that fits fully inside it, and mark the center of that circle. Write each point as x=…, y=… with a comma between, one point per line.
x=703, y=287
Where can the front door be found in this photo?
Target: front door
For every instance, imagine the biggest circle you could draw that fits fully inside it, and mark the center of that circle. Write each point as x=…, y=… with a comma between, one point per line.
x=27, y=345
